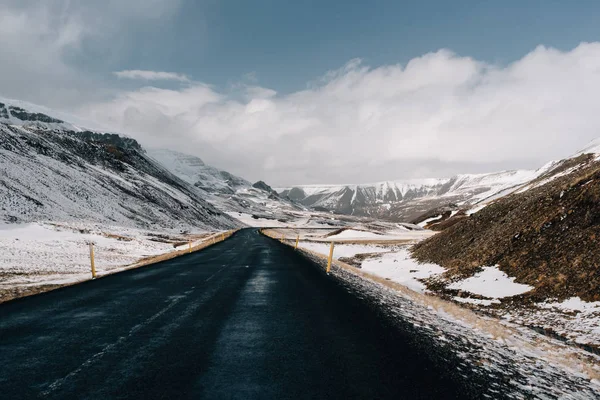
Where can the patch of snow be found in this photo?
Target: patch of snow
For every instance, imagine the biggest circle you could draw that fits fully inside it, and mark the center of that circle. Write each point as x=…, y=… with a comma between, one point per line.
x=491, y=282
x=428, y=220
x=480, y=302
x=475, y=209
x=574, y=304
x=40, y=253
x=354, y=234
x=343, y=250
x=400, y=267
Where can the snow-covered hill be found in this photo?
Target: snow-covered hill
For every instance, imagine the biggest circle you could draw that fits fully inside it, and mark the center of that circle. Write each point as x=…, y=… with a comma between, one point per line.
x=194, y=171
x=229, y=193
x=51, y=170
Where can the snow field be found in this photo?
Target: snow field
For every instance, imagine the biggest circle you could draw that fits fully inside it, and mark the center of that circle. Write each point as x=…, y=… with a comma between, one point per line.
x=37, y=253
x=399, y=267
x=354, y=234
x=343, y=250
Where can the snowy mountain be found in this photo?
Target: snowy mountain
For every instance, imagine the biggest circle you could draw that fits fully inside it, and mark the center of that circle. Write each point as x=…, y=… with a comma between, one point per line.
x=51, y=170
x=407, y=200
x=227, y=192
x=194, y=171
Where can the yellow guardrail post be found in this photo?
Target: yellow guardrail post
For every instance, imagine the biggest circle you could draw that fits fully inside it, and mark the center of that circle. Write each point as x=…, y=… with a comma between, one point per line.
x=92, y=262
x=190, y=246
x=330, y=257
x=297, y=240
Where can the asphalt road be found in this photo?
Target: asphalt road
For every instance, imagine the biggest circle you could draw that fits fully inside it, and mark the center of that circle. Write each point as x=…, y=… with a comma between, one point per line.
x=246, y=318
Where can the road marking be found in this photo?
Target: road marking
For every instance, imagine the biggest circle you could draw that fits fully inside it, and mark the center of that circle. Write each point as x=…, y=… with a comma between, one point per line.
x=213, y=275
x=90, y=361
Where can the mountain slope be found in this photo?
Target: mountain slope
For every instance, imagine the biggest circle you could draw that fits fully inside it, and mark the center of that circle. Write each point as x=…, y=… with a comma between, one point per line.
x=227, y=192
x=545, y=233
x=54, y=171
x=194, y=171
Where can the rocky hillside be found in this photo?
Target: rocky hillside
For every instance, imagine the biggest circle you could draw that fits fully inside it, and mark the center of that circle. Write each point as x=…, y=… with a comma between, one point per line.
x=546, y=233
x=53, y=171
x=407, y=200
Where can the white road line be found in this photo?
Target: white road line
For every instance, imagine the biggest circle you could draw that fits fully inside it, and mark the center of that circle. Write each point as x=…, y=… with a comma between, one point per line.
x=59, y=382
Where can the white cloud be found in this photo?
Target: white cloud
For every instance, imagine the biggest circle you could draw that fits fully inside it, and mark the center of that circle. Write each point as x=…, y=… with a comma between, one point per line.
x=439, y=114
x=42, y=41
x=151, y=75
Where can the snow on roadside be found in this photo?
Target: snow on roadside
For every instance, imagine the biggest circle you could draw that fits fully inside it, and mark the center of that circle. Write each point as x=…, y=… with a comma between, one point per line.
x=400, y=267
x=492, y=283
x=343, y=250
x=249, y=220
x=355, y=234
x=478, y=302
x=40, y=254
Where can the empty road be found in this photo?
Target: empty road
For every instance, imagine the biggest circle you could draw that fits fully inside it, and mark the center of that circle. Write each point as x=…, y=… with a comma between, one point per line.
x=246, y=318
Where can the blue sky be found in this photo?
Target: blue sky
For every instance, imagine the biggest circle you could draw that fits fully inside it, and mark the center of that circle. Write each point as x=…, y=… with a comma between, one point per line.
x=287, y=44
x=318, y=91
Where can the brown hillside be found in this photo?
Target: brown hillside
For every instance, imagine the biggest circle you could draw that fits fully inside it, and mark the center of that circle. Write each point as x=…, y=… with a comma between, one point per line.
x=547, y=237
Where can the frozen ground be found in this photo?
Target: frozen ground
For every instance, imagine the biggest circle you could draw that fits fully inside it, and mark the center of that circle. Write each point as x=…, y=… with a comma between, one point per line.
x=399, y=267
x=574, y=319
x=357, y=236
x=396, y=235
x=36, y=254
x=344, y=250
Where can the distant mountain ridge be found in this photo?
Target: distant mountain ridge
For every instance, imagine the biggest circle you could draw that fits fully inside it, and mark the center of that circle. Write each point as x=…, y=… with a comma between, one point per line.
x=406, y=200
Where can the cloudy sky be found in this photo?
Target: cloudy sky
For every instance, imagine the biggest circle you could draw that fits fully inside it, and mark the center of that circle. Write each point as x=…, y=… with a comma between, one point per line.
x=318, y=91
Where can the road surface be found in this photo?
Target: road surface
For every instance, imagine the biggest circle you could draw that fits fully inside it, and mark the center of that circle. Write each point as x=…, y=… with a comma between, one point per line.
x=246, y=318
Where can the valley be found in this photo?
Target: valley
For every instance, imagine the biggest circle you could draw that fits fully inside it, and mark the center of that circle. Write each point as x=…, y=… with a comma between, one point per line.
x=518, y=247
